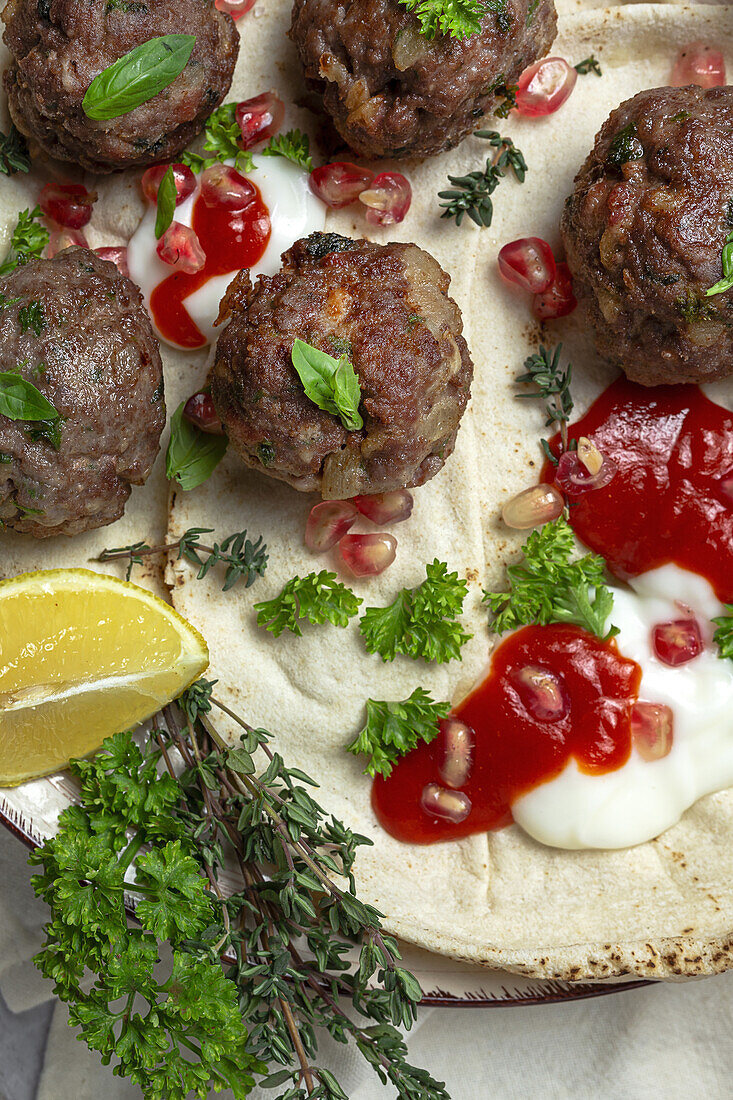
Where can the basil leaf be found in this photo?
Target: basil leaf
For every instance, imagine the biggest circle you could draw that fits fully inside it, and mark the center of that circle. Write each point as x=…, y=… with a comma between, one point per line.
x=192, y=455
x=726, y=283
x=138, y=76
x=167, y=195
x=20, y=400
x=331, y=384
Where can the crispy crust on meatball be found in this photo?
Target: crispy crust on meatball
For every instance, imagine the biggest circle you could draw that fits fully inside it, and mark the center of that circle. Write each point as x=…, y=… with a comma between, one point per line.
x=59, y=46
x=644, y=232
x=393, y=92
x=91, y=352
x=387, y=307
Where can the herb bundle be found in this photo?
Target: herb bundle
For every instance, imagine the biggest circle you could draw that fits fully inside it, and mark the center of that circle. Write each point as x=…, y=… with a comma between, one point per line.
x=252, y=976
x=471, y=194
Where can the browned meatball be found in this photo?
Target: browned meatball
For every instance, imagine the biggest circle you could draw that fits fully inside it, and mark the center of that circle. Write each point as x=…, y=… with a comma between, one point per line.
x=644, y=232
x=59, y=46
x=387, y=308
x=392, y=91
x=77, y=330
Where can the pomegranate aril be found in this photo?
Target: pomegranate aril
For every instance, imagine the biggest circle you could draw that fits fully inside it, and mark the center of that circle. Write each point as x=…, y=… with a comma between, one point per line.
x=183, y=178
x=677, y=642
x=259, y=118
x=235, y=8
x=224, y=186
x=574, y=477
x=457, y=758
x=367, y=555
x=533, y=506
x=67, y=204
x=545, y=86
x=116, y=256
x=200, y=410
x=558, y=300
x=542, y=693
x=699, y=64
x=387, y=199
x=381, y=508
x=180, y=248
x=652, y=729
x=59, y=239
x=450, y=805
x=528, y=263
x=339, y=184
x=327, y=524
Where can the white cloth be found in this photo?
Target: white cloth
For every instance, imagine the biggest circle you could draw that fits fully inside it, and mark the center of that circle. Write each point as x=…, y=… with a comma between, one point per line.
x=662, y=1041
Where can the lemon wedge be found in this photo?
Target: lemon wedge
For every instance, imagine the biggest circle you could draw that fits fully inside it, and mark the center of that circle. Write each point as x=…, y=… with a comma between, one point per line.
x=83, y=655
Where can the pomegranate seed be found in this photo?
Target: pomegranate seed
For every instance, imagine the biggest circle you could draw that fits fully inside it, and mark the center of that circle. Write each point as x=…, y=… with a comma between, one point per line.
x=450, y=805
x=381, y=508
x=183, y=178
x=235, y=8
x=542, y=693
x=677, y=642
x=222, y=185
x=180, y=247
x=528, y=263
x=60, y=239
x=367, y=555
x=260, y=118
x=558, y=300
x=387, y=199
x=455, y=764
x=652, y=727
x=67, y=204
x=327, y=524
x=726, y=487
x=531, y=507
x=339, y=184
x=543, y=87
x=117, y=256
x=699, y=64
x=574, y=477
x=199, y=409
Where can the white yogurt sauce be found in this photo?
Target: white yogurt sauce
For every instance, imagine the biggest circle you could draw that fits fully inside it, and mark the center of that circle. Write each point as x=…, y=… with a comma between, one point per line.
x=294, y=212
x=642, y=799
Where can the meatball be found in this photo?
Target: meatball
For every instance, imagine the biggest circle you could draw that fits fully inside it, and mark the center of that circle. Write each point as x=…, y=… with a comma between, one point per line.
x=76, y=329
x=392, y=91
x=59, y=46
x=387, y=308
x=644, y=232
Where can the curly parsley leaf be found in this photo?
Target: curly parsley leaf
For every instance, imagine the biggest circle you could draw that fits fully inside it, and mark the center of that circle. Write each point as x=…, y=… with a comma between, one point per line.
x=723, y=636
x=223, y=140
x=29, y=239
x=548, y=586
x=457, y=18
x=421, y=622
x=317, y=598
x=13, y=153
x=294, y=146
x=726, y=283
x=138, y=76
x=331, y=384
x=394, y=729
x=192, y=455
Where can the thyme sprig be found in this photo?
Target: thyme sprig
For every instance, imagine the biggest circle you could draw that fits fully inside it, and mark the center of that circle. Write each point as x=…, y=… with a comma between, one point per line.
x=471, y=194
x=244, y=559
x=255, y=974
x=552, y=382
x=589, y=65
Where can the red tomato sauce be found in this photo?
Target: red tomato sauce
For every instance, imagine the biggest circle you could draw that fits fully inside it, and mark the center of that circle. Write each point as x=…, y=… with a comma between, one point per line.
x=669, y=501
x=514, y=751
x=231, y=239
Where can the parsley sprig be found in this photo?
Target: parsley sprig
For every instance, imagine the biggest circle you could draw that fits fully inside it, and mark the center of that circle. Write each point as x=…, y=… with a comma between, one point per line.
x=294, y=145
x=244, y=559
x=551, y=586
x=394, y=729
x=317, y=598
x=471, y=194
x=723, y=636
x=29, y=239
x=222, y=139
x=457, y=18
x=552, y=386
x=253, y=976
x=421, y=622
x=13, y=153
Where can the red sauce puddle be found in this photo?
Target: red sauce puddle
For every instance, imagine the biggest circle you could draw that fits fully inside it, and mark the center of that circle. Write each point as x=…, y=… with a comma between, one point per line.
x=232, y=240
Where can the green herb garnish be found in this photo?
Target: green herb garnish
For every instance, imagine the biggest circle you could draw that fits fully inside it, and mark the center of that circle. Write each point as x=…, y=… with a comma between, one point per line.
x=47, y=430
x=394, y=729
x=13, y=153
x=28, y=240
x=223, y=140
x=20, y=400
x=552, y=383
x=192, y=455
x=421, y=623
x=331, y=384
x=457, y=18
x=32, y=317
x=317, y=598
x=726, y=283
x=138, y=76
x=245, y=560
x=723, y=636
x=472, y=193
x=589, y=65
x=166, y=203
x=507, y=93
x=625, y=147
x=294, y=146
x=548, y=586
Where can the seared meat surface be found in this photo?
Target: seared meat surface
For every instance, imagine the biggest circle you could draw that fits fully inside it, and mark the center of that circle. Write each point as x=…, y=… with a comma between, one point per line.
x=644, y=233
x=393, y=92
x=77, y=330
x=59, y=46
x=386, y=307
